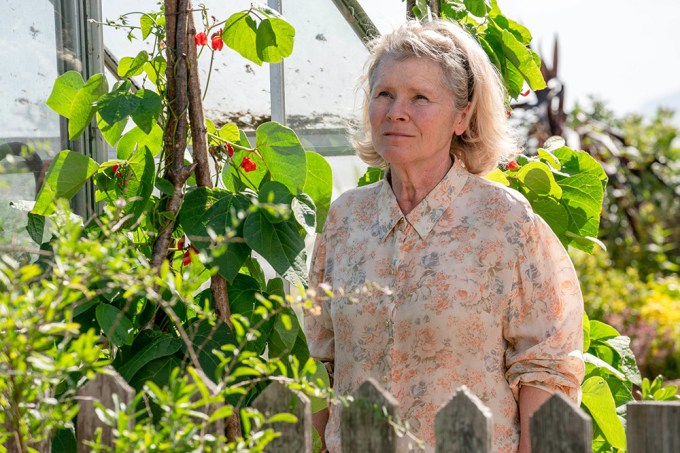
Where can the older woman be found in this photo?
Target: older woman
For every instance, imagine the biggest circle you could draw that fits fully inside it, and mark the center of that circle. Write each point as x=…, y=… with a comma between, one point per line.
x=480, y=291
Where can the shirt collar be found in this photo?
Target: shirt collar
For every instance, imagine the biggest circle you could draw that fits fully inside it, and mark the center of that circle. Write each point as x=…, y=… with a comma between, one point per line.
x=424, y=216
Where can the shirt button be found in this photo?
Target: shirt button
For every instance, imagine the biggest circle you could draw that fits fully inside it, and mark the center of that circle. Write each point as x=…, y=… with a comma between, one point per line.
x=384, y=378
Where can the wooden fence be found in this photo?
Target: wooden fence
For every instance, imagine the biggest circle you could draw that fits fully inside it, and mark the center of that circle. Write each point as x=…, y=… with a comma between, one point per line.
x=463, y=425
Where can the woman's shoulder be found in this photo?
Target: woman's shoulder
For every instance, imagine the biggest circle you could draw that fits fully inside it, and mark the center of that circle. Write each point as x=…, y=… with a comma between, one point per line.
x=493, y=196
x=363, y=197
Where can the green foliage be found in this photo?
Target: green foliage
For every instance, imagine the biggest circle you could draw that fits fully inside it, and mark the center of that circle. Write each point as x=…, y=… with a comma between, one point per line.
x=648, y=310
x=44, y=354
x=641, y=218
x=504, y=40
x=611, y=371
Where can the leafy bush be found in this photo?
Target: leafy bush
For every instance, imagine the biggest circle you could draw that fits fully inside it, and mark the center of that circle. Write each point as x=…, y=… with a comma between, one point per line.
x=647, y=310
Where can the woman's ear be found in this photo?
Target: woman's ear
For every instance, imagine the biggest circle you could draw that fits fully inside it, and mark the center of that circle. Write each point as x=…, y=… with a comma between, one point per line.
x=462, y=122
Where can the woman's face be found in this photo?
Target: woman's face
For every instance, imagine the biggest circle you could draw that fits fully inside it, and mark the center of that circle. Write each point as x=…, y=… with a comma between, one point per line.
x=412, y=115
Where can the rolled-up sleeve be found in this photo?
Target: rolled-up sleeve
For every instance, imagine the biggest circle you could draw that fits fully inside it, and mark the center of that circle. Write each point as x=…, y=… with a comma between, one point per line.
x=544, y=322
x=318, y=324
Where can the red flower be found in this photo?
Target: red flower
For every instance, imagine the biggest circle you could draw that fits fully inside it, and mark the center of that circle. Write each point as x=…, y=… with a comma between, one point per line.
x=216, y=41
x=513, y=165
x=116, y=171
x=526, y=93
x=230, y=150
x=248, y=165
x=186, y=260
x=508, y=112
x=201, y=39
x=180, y=243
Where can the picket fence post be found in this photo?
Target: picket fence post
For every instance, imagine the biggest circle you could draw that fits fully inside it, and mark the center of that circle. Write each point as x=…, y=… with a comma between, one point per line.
x=366, y=424
x=102, y=388
x=295, y=437
x=559, y=425
x=653, y=426
x=464, y=424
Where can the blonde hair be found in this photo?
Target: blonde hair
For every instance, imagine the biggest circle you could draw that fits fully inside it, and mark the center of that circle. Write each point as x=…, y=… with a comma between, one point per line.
x=470, y=76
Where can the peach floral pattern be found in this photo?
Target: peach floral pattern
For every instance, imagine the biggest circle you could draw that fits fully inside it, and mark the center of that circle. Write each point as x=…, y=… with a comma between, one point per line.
x=482, y=294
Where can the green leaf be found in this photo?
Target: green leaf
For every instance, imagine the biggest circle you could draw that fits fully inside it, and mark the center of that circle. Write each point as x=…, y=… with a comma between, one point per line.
x=137, y=138
x=372, y=175
x=157, y=371
x=221, y=211
x=164, y=186
x=36, y=227
x=283, y=154
x=116, y=326
x=119, y=104
x=320, y=373
x=476, y=7
x=161, y=346
x=582, y=196
x=549, y=158
x=140, y=183
x=278, y=243
x=274, y=40
x=221, y=413
x=155, y=69
x=74, y=99
x=146, y=23
x=129, y=67
x=284, y=334
x=304, y=212
x=600, y=403
x=598, y=362
x=586, y=332
x=111, y=132
x=518, y=54
x=628, y=365
x=282, y=418
x=601, y=331
x=229, y=132
x=579, y=162
x=538, y=177
x=240, y=33
x=148, y=109
x=554, y=214
x=319, y=186
x=272, y=192
x=206, y=337
x=67, y=174
x=522, y=33
x=498, y=176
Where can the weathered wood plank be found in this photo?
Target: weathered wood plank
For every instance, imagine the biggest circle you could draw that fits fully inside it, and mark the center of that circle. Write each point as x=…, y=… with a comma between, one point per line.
x=463, y=425
x=365, y=423
x=559, y=425
x=101, y=388
x=295, y=437
x=653, y=426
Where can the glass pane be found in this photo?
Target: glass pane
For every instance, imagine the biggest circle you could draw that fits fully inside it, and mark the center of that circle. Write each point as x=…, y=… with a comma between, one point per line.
x=321, y=79
x=29, y=130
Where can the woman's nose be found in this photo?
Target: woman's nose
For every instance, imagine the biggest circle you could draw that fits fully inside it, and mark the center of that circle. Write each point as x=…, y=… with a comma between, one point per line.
x=397, y=111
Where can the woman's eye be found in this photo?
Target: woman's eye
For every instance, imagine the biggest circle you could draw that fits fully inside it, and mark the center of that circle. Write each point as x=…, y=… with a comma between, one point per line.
x=382, y=94
x=420, y=97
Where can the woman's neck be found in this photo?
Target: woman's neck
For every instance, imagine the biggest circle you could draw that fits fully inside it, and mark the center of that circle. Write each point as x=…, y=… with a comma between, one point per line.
x=411, y=186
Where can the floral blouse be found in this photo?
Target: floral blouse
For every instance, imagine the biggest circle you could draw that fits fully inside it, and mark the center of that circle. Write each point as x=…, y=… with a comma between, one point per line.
x=470, y=288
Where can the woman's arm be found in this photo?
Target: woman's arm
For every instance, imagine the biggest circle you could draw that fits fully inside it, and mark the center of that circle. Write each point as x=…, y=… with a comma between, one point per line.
x=530, y=399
